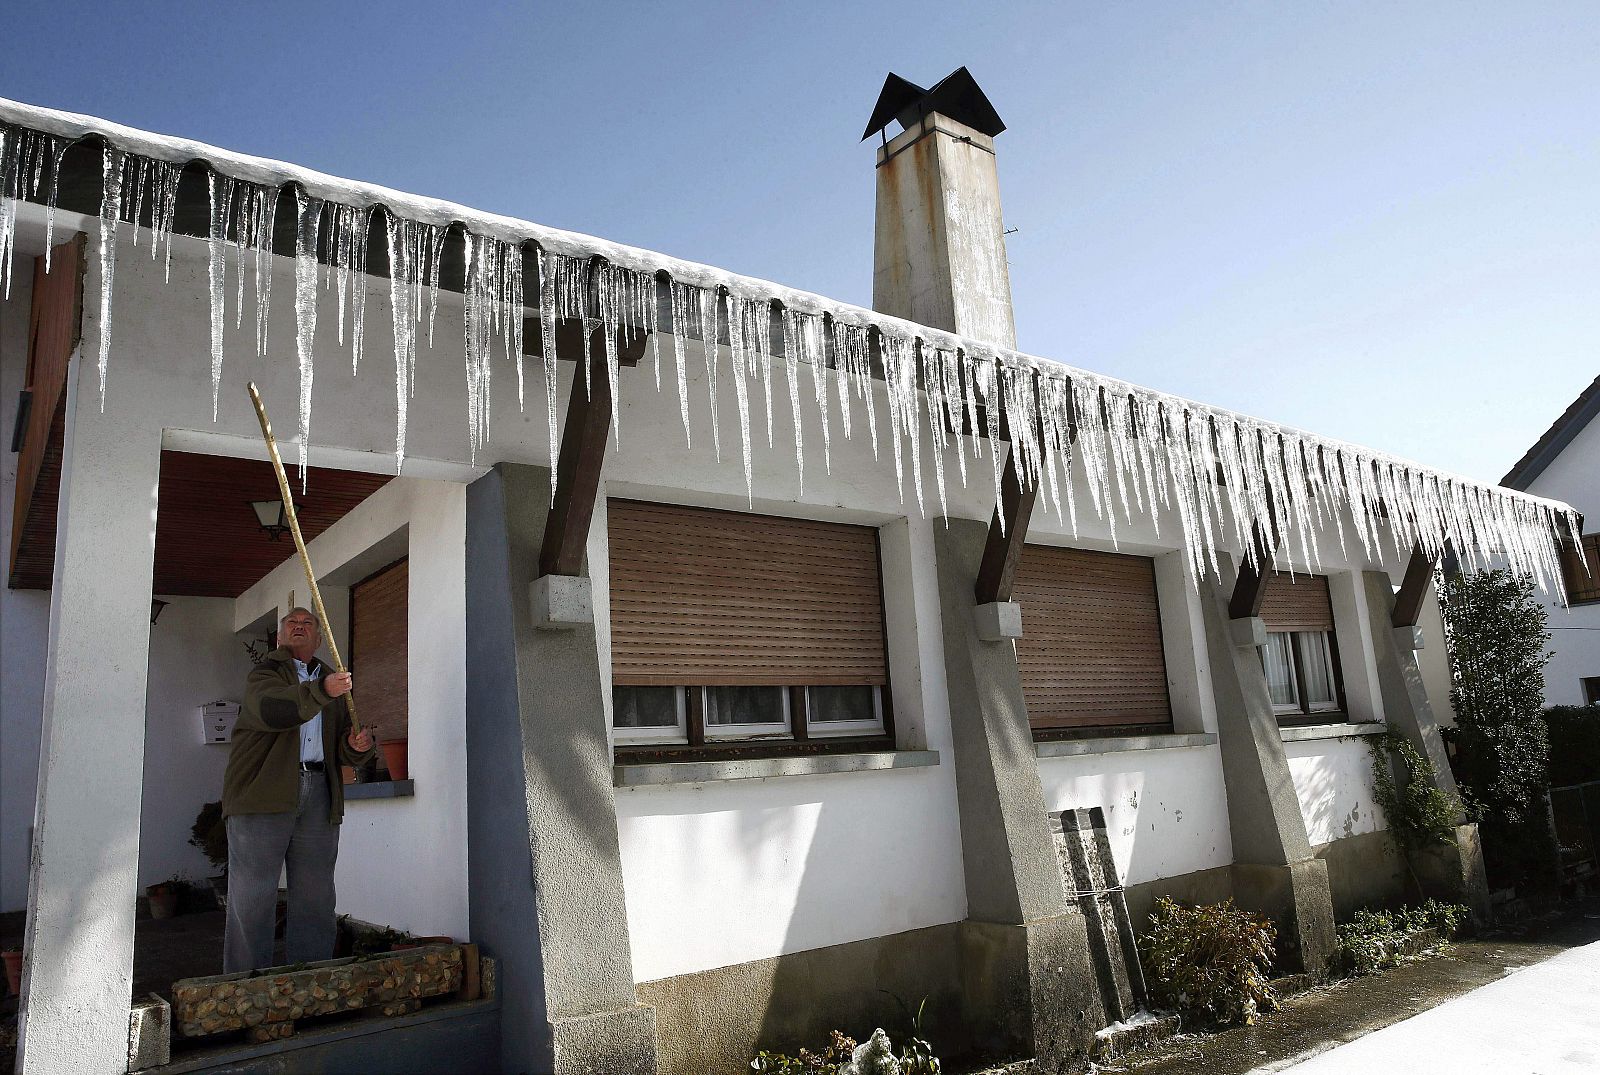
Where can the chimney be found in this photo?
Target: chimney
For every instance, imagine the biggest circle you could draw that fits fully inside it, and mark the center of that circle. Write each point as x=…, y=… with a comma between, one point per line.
x=940, y=252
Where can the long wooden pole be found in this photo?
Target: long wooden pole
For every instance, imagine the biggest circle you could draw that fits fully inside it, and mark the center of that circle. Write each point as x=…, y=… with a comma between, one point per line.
x=300, y=546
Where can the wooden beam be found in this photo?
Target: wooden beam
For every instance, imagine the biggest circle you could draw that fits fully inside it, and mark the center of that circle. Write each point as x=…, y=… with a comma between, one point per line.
x=583, y=448
x=1002, y=552
x=1408, y=602
x=569, y=342
x=1251, y=588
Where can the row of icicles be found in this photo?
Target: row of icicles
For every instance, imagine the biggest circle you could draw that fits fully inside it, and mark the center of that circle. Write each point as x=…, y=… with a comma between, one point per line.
x=1142, y=451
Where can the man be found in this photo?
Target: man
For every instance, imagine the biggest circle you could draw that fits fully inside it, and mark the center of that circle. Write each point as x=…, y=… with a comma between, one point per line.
x=283, y=799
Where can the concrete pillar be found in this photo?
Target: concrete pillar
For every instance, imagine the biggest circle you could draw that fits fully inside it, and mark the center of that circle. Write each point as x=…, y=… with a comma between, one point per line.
x=1274, y=871
x=82, y=887
x=544, y=866
x=1449, y=872
x=1028, y=980
x=940, y=250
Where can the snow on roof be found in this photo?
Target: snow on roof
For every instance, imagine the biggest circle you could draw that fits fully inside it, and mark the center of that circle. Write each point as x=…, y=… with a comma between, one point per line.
x=1274, y=479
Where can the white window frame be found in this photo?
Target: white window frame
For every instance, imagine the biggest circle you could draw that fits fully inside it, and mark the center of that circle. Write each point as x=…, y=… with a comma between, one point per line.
x=1294, y=680
x=676, y=735
x=838, y=729
x=748, y=732
x=1331, y=706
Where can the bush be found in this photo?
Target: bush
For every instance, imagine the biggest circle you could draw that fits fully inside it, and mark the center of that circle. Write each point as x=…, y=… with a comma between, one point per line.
x=1210, y=962
x=1418, y=813
x=1574, y=732
x=1373, y=940
x=842, y=1056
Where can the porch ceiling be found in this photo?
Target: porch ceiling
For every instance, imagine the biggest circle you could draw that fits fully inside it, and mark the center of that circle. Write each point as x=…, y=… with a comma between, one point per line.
x=208, y=542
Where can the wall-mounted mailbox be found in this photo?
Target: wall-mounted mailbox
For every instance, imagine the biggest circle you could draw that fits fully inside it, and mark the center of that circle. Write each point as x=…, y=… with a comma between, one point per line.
x=217, y=720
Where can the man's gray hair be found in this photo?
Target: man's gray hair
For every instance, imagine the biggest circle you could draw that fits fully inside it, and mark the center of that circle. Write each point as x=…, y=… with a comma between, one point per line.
x=299, y=608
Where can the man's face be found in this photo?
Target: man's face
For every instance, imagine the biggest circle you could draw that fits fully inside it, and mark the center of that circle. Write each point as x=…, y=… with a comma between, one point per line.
x=299, y=631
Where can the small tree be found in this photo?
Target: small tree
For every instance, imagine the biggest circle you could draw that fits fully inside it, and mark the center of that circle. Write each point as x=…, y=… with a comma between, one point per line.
x=1496, y=639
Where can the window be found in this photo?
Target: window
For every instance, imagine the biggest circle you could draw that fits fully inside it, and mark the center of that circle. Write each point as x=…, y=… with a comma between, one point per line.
x=735, y=631
x=1591, y=690
x=1090, y=654
x=1301, y=656
x=378, y=650
x=1581, y=573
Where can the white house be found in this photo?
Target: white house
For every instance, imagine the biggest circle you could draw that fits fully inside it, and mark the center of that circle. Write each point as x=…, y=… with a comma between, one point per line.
x=751, y=640
x=1565, y=464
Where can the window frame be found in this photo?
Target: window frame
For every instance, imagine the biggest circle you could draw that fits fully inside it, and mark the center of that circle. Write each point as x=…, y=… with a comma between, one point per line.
x=1582, y=588
x=651, y=736
x=1302, y=711
x=800, y=736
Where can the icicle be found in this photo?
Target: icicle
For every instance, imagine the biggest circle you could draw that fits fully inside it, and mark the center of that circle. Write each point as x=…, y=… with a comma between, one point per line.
x=494, y=312
x=681, y=298
x=809, y=345
x=547, y=332
x=112, y=172
x=608, y=301
x=308, y=227
x=221, y=191
x=741, y=392
x=348, y=227
x=791, y=358
x=10, y=194
x=410, y=245
x=900, y=387
x=24, y=157
x=853, y=361
x=163, y=210
x=708, y=341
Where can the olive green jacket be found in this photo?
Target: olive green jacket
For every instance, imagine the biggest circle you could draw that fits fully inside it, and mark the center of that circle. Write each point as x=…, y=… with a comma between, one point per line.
x=263, y=774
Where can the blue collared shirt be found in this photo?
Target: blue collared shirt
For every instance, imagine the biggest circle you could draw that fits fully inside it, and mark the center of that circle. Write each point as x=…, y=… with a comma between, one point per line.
x=311, y=730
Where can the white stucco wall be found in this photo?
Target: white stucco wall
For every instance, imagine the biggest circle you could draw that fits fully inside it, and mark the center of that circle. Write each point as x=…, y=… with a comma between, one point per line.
x=1166, y=810
x=1333, y=781
x=1573, y=476
x=195, y=658
x=403, y=862
x=24, y=624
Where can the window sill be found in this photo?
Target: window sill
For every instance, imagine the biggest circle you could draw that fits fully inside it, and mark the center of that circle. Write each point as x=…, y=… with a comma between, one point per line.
x=1307, y=732
x=648, y=774
x=1071, y=748
x=381, y=789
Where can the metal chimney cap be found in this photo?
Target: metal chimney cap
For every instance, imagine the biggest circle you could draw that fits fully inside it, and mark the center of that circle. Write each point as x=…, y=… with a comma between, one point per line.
x=956, y=95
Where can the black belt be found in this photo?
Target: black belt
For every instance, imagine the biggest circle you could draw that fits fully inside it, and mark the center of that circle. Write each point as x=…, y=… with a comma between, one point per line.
x=312, y=767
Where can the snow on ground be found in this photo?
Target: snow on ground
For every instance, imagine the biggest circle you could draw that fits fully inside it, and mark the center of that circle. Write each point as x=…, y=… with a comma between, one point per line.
x=1542, y=1020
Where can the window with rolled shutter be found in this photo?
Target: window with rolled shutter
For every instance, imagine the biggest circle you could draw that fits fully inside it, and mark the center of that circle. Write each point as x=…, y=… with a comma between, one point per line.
x=1090, y=653
x=378, y=649
x=1301, y=657
x=733, y=625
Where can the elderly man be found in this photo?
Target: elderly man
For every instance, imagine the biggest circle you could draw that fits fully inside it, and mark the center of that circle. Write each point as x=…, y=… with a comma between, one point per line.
x=283, y=799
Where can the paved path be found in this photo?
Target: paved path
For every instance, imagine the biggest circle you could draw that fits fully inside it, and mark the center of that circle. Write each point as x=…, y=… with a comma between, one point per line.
x=1539, y=1020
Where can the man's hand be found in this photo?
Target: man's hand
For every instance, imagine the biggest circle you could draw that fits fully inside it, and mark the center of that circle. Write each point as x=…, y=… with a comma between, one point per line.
x=360, y=741
x=336, y=684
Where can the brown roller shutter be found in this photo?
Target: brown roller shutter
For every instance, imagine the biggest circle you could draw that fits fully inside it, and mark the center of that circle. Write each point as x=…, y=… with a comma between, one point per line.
x=1090, y=652
x=1300, y=604
x=719, y=598
x=378, y=647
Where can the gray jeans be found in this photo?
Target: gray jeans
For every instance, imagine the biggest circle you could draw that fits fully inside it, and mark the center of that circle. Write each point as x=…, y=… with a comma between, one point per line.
x=259, y=845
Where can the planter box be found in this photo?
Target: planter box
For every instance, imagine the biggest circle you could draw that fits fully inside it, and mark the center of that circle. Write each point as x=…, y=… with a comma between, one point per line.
x=266, y=1005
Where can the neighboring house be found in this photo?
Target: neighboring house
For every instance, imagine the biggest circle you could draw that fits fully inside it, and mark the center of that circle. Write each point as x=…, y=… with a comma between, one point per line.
x=1565, y=464
x=735, y=709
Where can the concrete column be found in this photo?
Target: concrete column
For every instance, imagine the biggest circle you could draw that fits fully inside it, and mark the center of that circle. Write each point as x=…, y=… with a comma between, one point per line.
x=1028, y=980
x=1274, y=871
x=544, y=867
x=939, y=238
x=1449, y=872
x=82, y=887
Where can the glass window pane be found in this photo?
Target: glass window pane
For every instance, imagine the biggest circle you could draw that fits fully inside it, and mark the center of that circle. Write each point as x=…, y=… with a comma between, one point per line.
x=744, y=705
x=644, y=707
x=1314, y=658
x=831, y=704
x=1280, y=669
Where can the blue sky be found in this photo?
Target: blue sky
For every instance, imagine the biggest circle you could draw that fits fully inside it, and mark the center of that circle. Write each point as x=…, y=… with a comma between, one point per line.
x=1377, y=221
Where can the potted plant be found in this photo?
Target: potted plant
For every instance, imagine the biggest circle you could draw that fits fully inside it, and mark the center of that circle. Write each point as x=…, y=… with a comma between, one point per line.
x=13, y=959
x=394, y=757
x=164, y=896
x=210, y=834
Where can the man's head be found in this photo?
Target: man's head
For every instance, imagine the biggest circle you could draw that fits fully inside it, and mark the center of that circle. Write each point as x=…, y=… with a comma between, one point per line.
x=298, y=633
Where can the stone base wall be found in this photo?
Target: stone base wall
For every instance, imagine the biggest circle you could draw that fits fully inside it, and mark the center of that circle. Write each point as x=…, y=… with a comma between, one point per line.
x=1202, y=886
x=1364, y=871
x=712, y=1022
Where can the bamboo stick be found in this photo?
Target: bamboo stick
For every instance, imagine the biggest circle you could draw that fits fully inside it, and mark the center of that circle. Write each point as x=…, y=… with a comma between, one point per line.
x=300, y=546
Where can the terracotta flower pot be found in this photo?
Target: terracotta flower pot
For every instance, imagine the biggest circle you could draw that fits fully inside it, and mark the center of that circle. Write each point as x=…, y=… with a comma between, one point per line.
x=163, y=901
x=13, y=972
x=347, y=773
x=394, y=758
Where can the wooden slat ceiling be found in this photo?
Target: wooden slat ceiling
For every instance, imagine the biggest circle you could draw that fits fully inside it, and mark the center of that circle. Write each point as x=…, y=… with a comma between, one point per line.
x=208, y=541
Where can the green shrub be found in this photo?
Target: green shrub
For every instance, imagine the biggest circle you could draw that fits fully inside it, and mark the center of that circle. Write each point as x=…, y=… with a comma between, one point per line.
x=842, y=1056
x=1210, y=962
x=1574, y=743
x=1373, y=940
x=1418, y=813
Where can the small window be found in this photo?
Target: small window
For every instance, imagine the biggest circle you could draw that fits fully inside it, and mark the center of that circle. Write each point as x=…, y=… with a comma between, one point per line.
x=746, y=712
x=1591, y=690
x=1301, y=657
x=1580, y=570
x=648, y=714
